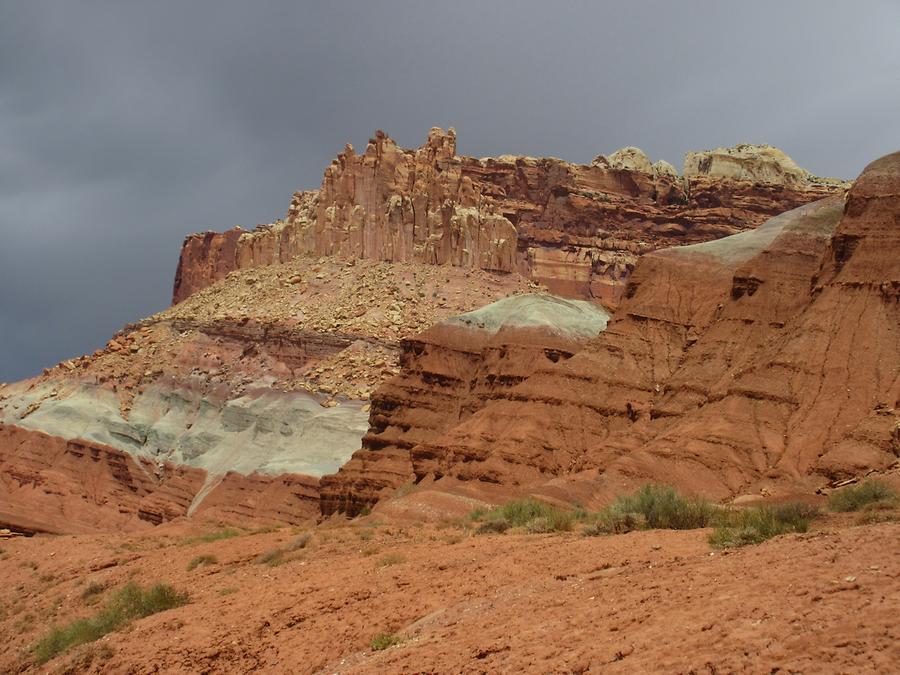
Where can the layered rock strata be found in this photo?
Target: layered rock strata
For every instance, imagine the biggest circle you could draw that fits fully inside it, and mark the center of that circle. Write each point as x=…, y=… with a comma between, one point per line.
x=50, y=484
x=578, y=229
x=448, y=373
x=253, y=388
x=57, y=485
x=762, y=363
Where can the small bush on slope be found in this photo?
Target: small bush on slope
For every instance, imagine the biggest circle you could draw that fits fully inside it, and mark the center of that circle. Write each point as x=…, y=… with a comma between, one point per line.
x=653, y=507
x=385, y=640
x=753, y=525
x=533, y=515
x=93, y=590
x=209, y=537
x=272, y=558
x=205, y=559
x=131, y=602
x=391, y=559
x=661, y=507
x=855, y=497
x=301, y=542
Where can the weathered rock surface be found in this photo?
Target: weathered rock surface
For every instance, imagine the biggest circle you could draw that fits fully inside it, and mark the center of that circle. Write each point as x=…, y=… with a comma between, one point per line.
x=577, y=229
x=448, y=373
x=253, y=387
x=257, y=386
x=215, y=430
x=52, y=484
x=767, y=362
x=747, y=162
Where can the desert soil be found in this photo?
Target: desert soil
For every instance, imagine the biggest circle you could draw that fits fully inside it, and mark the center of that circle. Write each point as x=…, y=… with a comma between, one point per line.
x=662, y=601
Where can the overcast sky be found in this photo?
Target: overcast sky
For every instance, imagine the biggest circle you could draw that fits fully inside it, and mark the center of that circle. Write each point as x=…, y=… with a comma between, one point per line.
x=125, y=126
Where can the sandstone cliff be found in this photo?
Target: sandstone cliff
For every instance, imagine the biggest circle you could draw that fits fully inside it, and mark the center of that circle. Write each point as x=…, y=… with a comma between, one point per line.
x=448, y=373
x=51, y=484
x=257, y=388
x=762, y=363
x=577, y=229
x=249, y=391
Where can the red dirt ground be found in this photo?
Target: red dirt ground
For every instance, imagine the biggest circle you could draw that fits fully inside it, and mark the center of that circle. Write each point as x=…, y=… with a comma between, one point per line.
x=662, y=601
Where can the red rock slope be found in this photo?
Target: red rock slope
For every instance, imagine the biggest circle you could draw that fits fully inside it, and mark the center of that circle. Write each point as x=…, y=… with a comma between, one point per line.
x=766, y=362
x=228, y=405
x=447, y=374
x=577, y=229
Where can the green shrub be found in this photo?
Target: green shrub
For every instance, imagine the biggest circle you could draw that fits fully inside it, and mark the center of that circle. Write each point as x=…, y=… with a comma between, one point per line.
x=753, y=525
x=661, y=508
x=271, y=558
x=92, y=590
x=479, y=513
x=540, y=525
x=385, y=640
x=614, y=522
x=129, y=603
x=391, y=559
x=265, y=529
x=652, y=507
x=217, y=535
x=855, y=497
x=531, y=514
x=875, y=517
x=205, y=559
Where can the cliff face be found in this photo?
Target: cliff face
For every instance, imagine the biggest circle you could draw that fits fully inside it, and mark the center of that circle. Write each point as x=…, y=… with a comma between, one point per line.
x=376, y=352
x=578, y=229
x=247, y=392
x=448, y=373
x=761, y=363
x=51, y=484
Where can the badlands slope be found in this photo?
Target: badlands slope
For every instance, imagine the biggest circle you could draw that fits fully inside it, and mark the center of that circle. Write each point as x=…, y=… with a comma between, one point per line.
x=327, y=366
x=246, y=397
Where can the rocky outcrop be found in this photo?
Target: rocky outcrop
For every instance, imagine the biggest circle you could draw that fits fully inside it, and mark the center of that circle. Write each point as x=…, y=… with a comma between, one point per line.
x=245, y=400
x=448, y=373
x=761, y=363
x=253, y=387
x=51, y=484
x=577, y=229
x=259, y=498
x=190, y=423
x=747, y=162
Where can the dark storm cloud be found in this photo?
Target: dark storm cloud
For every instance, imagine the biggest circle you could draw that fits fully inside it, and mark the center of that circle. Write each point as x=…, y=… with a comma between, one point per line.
x=125, y=126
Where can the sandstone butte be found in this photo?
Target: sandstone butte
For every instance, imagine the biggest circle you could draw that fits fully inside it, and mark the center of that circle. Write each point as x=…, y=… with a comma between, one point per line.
x=577, y=229
x=441, y=320
x=428, y=334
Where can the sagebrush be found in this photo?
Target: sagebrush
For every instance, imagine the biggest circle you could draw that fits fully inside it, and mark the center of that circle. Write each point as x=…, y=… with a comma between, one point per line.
x=129, y=603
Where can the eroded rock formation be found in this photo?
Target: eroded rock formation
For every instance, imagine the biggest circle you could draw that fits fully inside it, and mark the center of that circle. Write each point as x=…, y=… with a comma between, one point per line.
x=244, y=400
x=245, y=393
x=52, y=484
x=577, y=229
x=449, y=372
x=761, y=363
